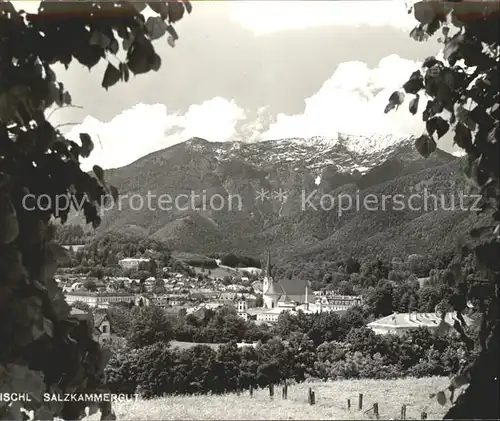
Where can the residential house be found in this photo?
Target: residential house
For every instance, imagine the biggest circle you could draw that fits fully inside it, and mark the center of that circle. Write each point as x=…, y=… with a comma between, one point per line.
x=98, y=323
x=257, y=286
x=102, y=326
x=270, y=315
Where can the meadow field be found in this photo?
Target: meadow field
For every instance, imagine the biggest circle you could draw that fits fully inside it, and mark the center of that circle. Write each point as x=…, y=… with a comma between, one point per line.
x=331, y=402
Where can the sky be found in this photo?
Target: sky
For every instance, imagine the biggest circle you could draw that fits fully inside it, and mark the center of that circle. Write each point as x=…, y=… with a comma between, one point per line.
x=252, y=71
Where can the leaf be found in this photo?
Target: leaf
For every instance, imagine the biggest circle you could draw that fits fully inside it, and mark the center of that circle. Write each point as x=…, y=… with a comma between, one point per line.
x=459, y=381
x=433, y=26
x=9, y=228
x=156, y=63
x=424, y=12
x=159, y=7
x=171, y=41
x=175, y=11
x=437, y=125
x=139, y=5
x=156, y=27
x=87, y=145
x=93, y=409
x=114, y=47
x=171, y=30
x=99, y=39
x=430, y=62
x=126, y=43
x=111, y=76
x=413, y=107
x=463, y=137
x=59, y=253
x=441, y=398
x=48, y=327
x=138, y=59
x=425, y=145
x=188, y=6
x=395, y=100
x=414, y=83
x=114, y=192
x=453, y=45
x=99, y=173
x=464, y=117
x=44, y=413
x=66, y=98
x=418, y=34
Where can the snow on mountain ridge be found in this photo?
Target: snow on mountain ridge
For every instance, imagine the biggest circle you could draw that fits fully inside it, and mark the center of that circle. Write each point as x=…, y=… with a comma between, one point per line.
x=345, y=152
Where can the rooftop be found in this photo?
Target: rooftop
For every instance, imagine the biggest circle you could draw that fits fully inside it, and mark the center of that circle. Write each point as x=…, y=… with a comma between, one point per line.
x=99, y=294
x=409, y=320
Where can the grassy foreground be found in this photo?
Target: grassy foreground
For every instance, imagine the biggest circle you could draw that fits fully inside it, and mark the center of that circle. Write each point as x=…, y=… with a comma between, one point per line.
x=331, y=402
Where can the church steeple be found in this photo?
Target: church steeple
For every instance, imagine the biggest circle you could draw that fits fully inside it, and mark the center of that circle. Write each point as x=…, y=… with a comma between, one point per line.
x=268, y=265
x=267, y=283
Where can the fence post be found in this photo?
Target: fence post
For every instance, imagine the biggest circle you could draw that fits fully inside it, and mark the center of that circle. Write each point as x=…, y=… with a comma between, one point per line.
x=312, y=397
x=348, y=404
x=403, y=412
x=251, y=390
x=285, y=390
x=375, y=410
x=271, y=390
x=360, y=402
x=423, y=416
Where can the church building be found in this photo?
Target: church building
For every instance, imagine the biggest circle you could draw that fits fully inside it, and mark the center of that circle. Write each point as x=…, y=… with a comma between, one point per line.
x=285, y=293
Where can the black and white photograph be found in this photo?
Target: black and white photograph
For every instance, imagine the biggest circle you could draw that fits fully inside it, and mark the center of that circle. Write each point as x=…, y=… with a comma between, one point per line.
x=249, y=209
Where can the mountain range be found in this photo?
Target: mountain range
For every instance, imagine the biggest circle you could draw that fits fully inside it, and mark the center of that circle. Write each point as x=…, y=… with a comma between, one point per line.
x=277, y=195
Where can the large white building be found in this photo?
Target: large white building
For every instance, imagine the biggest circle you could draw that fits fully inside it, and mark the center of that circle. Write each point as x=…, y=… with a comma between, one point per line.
x=399, y=323
x=99, y=299
x=132, y=263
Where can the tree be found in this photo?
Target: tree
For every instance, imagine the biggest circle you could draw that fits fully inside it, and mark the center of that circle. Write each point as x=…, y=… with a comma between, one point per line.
x=259, y=302
x=80, y=305
x=120, y=319
x=149, y=325
x=230, y=260
x=380, y=301
x=37, y=160
x=90, y=286
x=462, y=89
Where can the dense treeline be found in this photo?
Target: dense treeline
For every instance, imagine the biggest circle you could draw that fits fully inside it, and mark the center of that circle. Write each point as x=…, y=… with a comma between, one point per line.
x=237, y=260
x=224, y=325
x=72, y=234
x=351, y=274
x=157, y=369
x=210, y=326
x=105, y=251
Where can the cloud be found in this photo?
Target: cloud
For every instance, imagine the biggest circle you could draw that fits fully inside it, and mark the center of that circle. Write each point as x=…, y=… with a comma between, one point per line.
x=147, y=128
x=214, y=120
x=352, y=101
x=264, y=17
